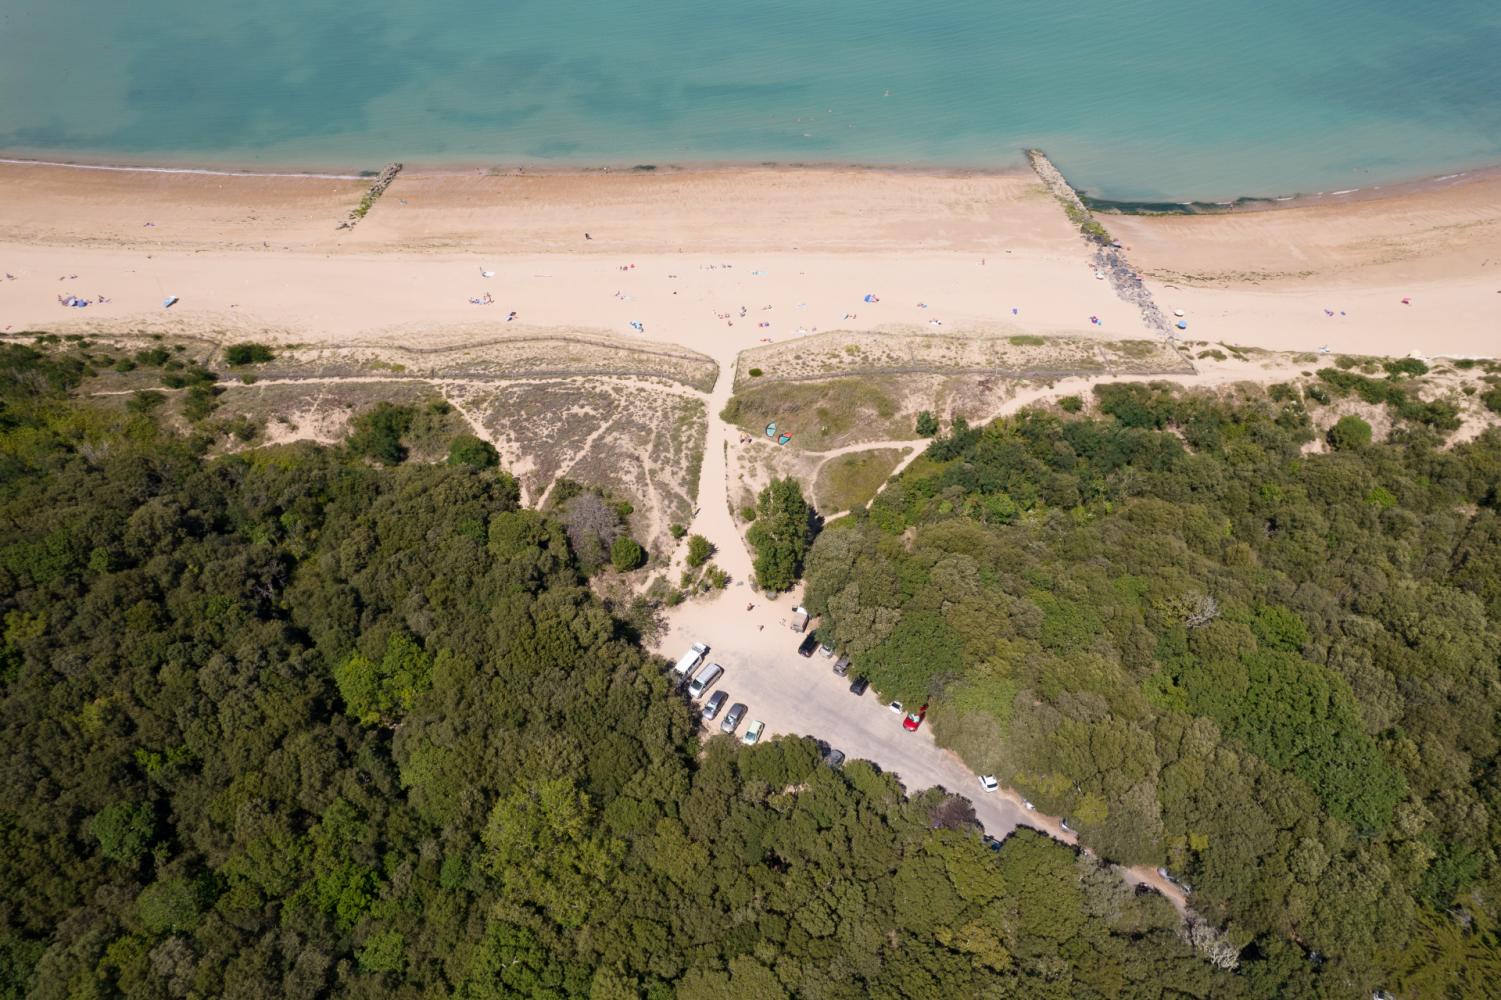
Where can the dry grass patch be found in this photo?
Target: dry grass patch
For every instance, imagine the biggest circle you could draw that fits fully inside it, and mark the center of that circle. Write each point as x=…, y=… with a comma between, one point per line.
x=822, y=415
x=998, y=352
x=849, y=481
x=643, y=443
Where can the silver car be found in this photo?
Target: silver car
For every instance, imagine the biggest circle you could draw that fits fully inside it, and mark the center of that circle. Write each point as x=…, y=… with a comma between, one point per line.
x=704, y=679
x=715, y=703
x=736, y=713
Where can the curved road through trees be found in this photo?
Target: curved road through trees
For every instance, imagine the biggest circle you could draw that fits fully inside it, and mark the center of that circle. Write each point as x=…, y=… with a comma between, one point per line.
x=793, y=695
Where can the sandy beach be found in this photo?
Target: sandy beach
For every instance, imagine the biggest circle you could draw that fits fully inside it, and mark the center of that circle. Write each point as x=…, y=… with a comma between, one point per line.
x=681, y=253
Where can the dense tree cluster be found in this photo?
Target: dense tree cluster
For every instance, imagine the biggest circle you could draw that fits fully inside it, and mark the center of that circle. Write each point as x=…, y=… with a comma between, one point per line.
x=288, y=723
x=1272, y=670
x=780, y=534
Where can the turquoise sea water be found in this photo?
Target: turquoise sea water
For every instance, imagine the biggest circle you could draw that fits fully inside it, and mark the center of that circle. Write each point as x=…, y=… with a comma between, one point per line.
x=1132, y=98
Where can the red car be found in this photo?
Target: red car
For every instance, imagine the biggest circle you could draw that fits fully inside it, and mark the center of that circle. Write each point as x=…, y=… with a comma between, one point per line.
x=914, y=719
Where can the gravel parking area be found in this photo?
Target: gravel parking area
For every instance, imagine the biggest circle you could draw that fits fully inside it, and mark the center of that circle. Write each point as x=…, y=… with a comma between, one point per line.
x=802, y=697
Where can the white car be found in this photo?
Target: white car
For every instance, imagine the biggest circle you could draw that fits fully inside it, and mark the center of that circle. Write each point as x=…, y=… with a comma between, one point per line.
x=752, y=732
x=1027, y=805
x=896, y=707
x=988, y=782
x=689, y=660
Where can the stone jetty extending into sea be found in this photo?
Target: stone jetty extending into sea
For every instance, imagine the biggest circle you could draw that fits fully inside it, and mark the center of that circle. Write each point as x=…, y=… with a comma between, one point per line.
x=1109, y=256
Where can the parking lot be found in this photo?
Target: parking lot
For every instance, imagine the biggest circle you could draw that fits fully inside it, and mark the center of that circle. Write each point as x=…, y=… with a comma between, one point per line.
x=799, y=696
x=802, y=697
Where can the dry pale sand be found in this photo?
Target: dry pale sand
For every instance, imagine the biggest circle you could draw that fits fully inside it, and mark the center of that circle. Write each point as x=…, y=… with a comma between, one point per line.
x=1266, y=278
x=262, y=256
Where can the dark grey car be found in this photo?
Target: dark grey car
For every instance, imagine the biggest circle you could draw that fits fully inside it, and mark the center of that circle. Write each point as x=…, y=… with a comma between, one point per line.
x=736, y=713
x=715, y=703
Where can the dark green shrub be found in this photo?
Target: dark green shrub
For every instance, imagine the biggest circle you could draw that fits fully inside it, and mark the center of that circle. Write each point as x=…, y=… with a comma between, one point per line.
x=699, y=550
x=1405, y=366
x=1350, y=432
x=145, y=401
x=248, y=354
x=377, y=433
x=626, y=554
x=466, y=449
x=200, y=401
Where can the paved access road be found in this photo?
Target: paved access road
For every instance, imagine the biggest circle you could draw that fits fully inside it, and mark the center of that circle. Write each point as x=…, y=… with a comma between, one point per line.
x=801, y=696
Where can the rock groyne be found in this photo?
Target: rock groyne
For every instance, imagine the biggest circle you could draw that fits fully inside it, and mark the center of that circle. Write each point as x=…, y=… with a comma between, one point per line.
x=1109, y=256
x=382, y=181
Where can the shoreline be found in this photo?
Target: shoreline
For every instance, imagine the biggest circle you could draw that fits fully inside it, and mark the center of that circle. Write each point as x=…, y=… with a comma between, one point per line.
x=1240, y=205
x=461, y=168
x=1276, y=203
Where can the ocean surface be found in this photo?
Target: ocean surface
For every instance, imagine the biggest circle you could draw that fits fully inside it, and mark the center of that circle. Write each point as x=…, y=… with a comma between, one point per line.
x=1133, y=99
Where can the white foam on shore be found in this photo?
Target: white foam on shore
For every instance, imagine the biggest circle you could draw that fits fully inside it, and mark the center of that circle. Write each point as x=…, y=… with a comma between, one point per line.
x=180, y=170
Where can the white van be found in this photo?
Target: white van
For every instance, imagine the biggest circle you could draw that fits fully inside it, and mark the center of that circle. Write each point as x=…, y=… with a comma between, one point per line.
x=704, y=679
x=689, y=660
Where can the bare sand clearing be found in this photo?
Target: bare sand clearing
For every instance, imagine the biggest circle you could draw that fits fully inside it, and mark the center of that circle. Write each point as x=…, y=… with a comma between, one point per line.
x=942, y=251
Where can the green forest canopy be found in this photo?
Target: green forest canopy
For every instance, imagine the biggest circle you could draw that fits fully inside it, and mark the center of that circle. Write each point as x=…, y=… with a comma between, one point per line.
x=1273, y=672
x=293, y=723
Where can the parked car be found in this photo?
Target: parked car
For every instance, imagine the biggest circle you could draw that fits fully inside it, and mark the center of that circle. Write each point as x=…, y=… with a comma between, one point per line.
x=752, y=732
x=689, y=660
x=828, y=754
x=896, y=707
x=914, y=719
x=809, y=645
x=988, y=782
x=1064, y=823
x=827, y=650
x=858, y=686
x=799, y=620
x=715, y=703
x=731, y=720
x=992, y=843
x=704, y=679
x=842, y=666
x=1027, y=805
x=1181, y=885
